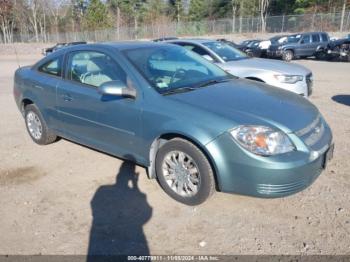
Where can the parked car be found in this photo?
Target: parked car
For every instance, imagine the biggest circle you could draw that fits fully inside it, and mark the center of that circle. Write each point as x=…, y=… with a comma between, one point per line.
x=249, y=46
x=291, y=77
x=253, y=49
x=246, y=46
x=229, y=42
x=338, y=50
x=259, y=48
x=194, y=126
x=165, y=39
x=300, y=46
x=58, y=46
x=243, y=45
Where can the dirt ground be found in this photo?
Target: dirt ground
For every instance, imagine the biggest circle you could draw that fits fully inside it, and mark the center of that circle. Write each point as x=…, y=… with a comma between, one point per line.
x=48, y=195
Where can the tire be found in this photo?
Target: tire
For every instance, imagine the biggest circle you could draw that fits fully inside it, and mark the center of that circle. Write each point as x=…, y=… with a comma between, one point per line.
x=190, y=188
x=250, y=54
x=37, y=127
x=321, y=55
x=288, y=55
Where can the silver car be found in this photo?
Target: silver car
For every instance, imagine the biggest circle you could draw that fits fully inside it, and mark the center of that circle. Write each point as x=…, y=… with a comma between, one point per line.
x=292, y=77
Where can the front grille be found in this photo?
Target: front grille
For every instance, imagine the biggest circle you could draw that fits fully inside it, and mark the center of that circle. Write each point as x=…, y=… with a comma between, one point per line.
x=267, y=189
x=290, y=188
x=309, y=83
x=312, y=133
x=273, y=48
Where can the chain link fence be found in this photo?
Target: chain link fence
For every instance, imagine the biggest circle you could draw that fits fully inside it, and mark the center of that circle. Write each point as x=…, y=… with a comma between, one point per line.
x=332, y=22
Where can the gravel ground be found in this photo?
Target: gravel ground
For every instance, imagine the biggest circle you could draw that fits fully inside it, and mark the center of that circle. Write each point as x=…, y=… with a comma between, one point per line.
x=48, y=195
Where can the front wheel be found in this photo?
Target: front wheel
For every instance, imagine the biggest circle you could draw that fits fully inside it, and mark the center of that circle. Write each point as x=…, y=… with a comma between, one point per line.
x=288, y=55
x=36, y=126
x=184, y=172
x=321, y=55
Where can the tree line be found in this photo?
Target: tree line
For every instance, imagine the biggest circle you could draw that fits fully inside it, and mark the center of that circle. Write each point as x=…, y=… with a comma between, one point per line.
x=42, y=17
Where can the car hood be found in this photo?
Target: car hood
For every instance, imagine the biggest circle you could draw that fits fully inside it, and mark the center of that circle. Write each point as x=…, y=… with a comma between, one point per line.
x=250, y=102
x=266, y=65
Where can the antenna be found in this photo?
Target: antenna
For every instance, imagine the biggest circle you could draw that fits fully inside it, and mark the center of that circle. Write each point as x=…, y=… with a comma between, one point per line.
x=14, y=46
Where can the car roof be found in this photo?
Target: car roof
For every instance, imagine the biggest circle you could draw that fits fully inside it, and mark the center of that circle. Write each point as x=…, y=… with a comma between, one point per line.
x=307, y=33
x=192, y=40
x=123, y=45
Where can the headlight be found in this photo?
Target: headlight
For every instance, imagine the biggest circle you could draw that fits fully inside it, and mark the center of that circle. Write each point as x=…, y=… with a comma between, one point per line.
x=279, y=48
x=289, y=79
x=262, y=140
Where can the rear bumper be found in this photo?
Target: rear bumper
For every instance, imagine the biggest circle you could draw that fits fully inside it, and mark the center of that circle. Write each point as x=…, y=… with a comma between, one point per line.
x=239, y=171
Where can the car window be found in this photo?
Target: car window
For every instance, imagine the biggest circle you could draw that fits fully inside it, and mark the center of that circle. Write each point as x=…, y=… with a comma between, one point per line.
x=171, y=67
x=195, y=48
x=324, y=37
x=93, y=68
x=225, y=51
x=53, y=67
x=306, y=39
x=293, y=39
x=315, y=38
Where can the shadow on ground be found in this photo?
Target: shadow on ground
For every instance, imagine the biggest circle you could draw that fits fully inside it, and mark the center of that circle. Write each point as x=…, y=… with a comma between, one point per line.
x=119, y=213
x=342, y=99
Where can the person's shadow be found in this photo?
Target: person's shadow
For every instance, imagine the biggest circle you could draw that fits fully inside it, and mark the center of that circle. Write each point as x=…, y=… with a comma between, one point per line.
x=119, y=212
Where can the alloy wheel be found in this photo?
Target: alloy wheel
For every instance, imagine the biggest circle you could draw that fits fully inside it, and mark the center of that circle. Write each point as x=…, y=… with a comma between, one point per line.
x=34, y=125
x=181, y=173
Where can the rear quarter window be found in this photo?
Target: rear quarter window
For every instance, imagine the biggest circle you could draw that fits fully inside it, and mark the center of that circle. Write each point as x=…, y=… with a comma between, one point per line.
x=324, y=37
x=52, y=67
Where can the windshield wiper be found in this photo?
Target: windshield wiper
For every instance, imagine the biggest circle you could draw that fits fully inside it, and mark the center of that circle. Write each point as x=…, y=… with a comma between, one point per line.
x=179, y=90
x=203, y=84
x=213, y=82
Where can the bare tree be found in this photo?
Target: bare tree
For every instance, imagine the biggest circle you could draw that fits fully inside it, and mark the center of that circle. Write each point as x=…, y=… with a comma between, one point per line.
x=7, y=21
x=234, y=9
x=343, y=15
x=34, y=17
x=241, y=8
x=263, y=6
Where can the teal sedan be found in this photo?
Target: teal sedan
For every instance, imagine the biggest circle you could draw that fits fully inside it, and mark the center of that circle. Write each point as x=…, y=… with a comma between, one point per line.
x=196, y=128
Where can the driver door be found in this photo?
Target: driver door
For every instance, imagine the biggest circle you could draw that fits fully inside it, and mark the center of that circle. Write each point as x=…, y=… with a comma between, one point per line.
x=305, y=46
x=111, y=124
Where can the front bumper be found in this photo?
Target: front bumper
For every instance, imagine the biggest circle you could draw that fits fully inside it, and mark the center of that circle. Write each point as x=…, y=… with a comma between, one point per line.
x=303, y=88
x=239, y=171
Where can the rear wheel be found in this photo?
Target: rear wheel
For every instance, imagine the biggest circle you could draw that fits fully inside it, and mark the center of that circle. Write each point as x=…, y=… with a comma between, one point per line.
x=36, y=126
x=288, y=55
x=184, y=172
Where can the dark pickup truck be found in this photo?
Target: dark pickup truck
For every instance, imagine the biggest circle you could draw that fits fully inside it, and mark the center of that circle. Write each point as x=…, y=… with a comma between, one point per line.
x=300, y=46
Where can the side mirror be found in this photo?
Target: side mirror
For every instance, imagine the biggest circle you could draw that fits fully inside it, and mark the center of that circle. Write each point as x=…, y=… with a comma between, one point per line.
x=117, y=88
x=302, y=42
x=208, y=57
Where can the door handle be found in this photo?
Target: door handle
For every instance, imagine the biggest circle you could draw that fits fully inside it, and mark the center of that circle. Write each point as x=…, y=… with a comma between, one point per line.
x=67, y=97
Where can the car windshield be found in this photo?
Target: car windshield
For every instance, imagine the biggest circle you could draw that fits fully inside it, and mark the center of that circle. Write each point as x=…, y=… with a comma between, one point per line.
x=245, y=42
x=253, y=44
x=278, y=39
x=293, y=38
x=168, y=68
x=225, y=51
